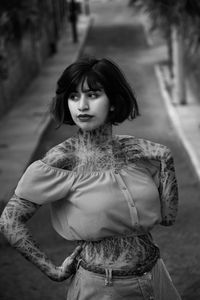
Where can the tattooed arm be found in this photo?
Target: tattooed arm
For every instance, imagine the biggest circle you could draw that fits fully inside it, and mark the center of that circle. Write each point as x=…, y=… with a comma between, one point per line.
x=13, y=225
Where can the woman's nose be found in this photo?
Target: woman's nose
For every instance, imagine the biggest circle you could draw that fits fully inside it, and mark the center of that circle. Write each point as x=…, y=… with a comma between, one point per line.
x=83, y=103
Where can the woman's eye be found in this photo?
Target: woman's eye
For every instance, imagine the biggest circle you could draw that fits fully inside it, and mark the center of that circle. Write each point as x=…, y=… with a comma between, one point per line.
x=73, y=97
x=93, y=95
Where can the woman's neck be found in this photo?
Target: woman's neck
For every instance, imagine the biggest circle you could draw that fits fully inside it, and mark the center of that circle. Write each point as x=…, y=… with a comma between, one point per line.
x=98, y=150
x=96, y=138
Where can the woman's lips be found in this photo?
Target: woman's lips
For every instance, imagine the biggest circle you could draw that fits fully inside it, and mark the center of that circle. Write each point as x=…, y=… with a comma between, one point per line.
x=84, y=118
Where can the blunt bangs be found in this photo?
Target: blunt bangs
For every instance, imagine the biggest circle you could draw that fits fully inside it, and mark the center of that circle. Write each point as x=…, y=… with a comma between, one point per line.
x=92, y=80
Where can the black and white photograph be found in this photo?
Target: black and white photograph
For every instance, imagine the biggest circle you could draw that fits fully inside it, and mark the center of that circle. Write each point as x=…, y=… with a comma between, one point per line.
x=99, y=150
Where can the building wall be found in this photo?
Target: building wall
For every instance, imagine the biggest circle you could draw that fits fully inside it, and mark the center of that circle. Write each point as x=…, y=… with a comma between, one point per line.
x=21, y=58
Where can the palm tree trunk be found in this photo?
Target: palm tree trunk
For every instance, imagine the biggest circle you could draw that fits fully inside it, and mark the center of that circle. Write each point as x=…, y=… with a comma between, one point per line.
x=170, y=52
x=179, y=84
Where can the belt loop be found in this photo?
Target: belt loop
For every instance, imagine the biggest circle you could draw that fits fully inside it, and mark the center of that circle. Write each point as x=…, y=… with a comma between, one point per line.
x=108, y=278
x=78, y=263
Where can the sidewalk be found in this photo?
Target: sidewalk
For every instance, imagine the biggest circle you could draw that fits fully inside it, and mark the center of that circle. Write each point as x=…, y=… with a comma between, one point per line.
x=22, y=127
x=185, y=118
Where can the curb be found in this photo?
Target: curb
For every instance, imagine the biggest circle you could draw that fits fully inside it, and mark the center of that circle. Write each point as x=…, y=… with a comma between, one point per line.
x=82, y=43
x=176, y=123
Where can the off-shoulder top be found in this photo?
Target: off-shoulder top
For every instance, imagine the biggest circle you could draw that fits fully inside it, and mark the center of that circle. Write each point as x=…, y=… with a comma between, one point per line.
x=137, y=191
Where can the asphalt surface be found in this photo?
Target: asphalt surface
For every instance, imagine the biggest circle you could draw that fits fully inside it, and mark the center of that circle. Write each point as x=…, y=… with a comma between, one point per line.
x=118, y=34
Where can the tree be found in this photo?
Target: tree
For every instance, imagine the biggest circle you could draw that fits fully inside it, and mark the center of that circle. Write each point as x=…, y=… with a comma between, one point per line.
x=179, y=20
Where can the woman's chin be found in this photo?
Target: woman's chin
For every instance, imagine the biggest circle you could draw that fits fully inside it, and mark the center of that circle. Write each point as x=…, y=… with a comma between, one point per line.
x=88, y=127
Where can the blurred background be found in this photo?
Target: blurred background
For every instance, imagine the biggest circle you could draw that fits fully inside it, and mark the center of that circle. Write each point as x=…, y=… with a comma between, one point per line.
x=156, y=44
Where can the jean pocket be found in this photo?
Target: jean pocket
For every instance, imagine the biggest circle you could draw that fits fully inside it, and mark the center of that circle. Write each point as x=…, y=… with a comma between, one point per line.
x=73, y=288
x=146, y=286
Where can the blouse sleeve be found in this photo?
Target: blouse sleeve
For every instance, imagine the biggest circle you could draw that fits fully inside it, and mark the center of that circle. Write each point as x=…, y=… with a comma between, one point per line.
x=42, y=183
x=168, y=189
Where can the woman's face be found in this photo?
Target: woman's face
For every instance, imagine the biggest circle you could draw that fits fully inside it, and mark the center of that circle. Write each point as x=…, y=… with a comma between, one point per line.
x=89, y=108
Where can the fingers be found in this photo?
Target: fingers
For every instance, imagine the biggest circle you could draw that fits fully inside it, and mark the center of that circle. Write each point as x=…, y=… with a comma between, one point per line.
x=76, y=252
x=69, y=264
x=69, y=260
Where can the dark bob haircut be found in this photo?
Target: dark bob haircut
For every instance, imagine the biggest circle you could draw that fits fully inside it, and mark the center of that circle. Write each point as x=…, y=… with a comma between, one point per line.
x=98, y=73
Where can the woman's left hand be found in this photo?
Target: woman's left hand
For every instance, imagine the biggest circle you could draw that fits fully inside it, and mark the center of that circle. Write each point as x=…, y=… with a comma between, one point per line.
x=69, y=264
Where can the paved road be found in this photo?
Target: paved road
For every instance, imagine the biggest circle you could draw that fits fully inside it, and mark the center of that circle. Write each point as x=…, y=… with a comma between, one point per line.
x=118, y=34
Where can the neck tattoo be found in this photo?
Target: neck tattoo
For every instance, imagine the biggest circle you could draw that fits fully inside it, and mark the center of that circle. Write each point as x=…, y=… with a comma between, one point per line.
x=96, y=150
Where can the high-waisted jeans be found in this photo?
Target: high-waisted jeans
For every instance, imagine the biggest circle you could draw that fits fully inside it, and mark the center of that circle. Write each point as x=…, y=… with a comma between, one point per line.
x=156, y=284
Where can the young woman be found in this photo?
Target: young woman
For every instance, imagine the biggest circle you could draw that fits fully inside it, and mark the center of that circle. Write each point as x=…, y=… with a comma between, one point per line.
x=106, y=191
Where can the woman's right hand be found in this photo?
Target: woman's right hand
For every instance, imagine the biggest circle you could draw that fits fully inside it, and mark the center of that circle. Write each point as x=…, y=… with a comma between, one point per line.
x=13, y=225
x=68, y=267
